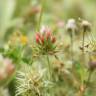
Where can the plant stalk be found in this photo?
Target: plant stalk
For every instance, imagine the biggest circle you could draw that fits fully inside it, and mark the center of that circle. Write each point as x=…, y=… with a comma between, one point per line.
x=49, y=67
x=71, y=37
x=41, y=14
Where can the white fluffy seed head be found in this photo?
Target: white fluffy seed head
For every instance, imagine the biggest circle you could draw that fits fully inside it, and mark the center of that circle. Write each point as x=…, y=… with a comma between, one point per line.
x=42, y=30
x=71, y=24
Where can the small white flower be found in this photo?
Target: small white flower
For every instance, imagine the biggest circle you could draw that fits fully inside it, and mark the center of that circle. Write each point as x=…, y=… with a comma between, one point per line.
x=45, y=29
x=71, y=24
x=42, y=29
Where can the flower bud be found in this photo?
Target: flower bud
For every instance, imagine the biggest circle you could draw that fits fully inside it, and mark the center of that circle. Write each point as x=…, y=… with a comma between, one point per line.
x=42, y=39
x=53, y=39
x=38, y=38
x=48, y=34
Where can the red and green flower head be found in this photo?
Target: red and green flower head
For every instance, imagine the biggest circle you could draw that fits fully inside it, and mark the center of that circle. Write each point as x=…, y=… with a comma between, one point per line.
x=45, y=40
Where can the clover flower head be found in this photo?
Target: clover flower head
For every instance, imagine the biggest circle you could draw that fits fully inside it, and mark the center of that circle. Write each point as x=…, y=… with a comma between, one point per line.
x=45, y=40
x=45, y=35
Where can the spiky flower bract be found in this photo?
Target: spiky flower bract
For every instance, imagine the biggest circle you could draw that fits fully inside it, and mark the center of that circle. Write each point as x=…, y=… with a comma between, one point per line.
x=32, y=82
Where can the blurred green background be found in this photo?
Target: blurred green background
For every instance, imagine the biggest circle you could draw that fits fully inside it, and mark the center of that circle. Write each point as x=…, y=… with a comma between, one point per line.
x=12, y=13
x=24, y=16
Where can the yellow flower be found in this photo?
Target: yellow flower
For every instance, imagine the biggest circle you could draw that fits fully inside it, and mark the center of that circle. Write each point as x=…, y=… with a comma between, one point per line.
x=23, y=40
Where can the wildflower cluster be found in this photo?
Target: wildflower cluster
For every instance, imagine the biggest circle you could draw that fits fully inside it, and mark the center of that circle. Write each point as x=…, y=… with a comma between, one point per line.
x=42, y=52
x=46, y=41
x=15, y=47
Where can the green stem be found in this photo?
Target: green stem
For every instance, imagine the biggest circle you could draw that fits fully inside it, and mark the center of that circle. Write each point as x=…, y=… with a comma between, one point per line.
x=10, y=79
x=83, y=44
x=71, y=37
x=41, y=14
x=87, y=81
x=89, y=76
x=49, y=67
x=83, y=55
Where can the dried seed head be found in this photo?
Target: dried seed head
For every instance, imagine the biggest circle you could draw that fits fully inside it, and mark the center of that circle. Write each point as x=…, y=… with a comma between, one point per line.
x=71, y=25
x=86, y=25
